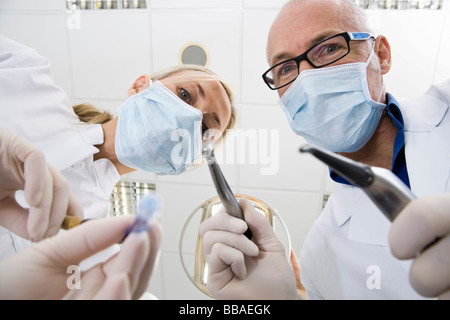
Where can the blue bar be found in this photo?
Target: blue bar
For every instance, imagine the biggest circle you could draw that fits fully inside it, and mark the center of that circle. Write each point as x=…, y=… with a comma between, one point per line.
x=359, y=35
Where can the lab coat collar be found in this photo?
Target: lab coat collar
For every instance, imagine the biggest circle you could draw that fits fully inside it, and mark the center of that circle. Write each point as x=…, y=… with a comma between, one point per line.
x=423, y=113
x=339, y=199
x=92, y=133
x=63, y=152
x=423, y=145
x=366, y=223
x=427, y=150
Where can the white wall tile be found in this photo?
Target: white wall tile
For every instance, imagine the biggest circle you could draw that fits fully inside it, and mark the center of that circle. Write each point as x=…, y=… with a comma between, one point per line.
x=255, y=29
x=329, y=184
x=199, y=4
x=200, y=174
x=179, y=201
x=442, y=71
x=33, y=30
x=218, y=31
x=279, y=164
x=141, y=176
x=177, y=284
x=264, y=3
x=27, y=5
x=109, y=51
x=414, y=36
x=110, y=105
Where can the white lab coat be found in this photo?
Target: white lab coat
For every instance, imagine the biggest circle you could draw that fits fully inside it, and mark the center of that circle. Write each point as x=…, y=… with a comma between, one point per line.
x=346, y=254
x=34, y=107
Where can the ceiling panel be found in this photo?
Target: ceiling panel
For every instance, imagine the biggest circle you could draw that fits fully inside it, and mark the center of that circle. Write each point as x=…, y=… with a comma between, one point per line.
x=109, y=51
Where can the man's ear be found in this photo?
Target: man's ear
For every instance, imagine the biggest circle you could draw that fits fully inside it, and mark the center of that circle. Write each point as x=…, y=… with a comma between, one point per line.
x=141, y=83
x=383, y=51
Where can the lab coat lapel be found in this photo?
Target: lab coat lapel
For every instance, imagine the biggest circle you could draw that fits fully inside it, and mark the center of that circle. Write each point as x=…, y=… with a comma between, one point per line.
x=366, y=223
x=428, y=162
x=62, y=152
x=427, y=153
x=427, y=150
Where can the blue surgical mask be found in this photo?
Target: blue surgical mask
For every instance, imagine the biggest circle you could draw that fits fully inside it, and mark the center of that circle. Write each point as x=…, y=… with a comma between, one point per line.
x=332, y=107
x=158, y=132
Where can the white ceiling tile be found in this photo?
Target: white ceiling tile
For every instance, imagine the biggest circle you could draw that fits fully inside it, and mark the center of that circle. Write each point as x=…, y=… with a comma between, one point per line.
x=255, y=29
x=32, y=30
x=414, y=37
x=202, y=4
x=272, y=159
x=264, y=3
x=218, y=32
x=109, y=51
x=442, y=69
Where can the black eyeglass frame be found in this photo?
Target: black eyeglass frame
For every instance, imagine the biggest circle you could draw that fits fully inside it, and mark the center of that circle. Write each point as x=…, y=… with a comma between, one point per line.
x=348, y=36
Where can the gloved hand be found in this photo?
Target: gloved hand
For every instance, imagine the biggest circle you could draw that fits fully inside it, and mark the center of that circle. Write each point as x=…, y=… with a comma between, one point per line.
x=418, y=225
x=23, y=167
x=41, y=271
x=243, y=269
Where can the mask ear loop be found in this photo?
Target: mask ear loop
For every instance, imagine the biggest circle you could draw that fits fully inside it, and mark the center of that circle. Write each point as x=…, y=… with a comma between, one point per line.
x=381, y=90
x=372, y=53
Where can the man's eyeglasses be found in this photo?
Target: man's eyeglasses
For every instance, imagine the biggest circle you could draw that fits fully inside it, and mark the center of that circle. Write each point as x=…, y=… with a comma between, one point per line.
x=320, y=55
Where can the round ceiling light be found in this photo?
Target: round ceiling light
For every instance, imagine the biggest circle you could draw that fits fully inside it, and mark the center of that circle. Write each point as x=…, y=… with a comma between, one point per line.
x=194, y=53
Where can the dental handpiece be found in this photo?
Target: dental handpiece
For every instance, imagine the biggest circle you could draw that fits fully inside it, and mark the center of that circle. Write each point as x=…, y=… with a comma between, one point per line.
x=227, y=197
x=383, y=187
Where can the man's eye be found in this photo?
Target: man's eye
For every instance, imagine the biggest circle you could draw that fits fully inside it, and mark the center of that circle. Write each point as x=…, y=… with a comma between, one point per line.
x=331, y=49
x=286, y=68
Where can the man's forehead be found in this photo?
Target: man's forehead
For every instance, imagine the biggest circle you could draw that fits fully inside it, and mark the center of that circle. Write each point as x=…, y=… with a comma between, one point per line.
x=299, y=26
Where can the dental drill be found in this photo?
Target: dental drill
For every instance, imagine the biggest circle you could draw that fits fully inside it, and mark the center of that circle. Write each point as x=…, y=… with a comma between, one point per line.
x=227, y=197
x=383, y=187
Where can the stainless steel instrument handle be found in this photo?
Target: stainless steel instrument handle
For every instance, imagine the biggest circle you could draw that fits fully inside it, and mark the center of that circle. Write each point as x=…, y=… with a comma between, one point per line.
x=223, y=189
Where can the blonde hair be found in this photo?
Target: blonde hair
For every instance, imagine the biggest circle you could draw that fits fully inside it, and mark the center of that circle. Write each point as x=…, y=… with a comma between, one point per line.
x=89, y=114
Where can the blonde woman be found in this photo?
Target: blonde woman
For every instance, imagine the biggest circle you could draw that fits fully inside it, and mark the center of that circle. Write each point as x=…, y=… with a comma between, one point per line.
x=94, y=154
x=195, y=85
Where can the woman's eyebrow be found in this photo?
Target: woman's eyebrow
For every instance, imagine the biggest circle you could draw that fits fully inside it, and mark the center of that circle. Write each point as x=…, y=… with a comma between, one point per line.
x=214, y=117
x=200, y=89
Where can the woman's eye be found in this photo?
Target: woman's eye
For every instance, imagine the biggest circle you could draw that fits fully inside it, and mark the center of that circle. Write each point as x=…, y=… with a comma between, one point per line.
x=204, y=128
x=185, y=95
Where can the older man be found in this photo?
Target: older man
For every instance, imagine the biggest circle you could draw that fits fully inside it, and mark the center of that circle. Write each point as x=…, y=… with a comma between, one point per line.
x=328, y=69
